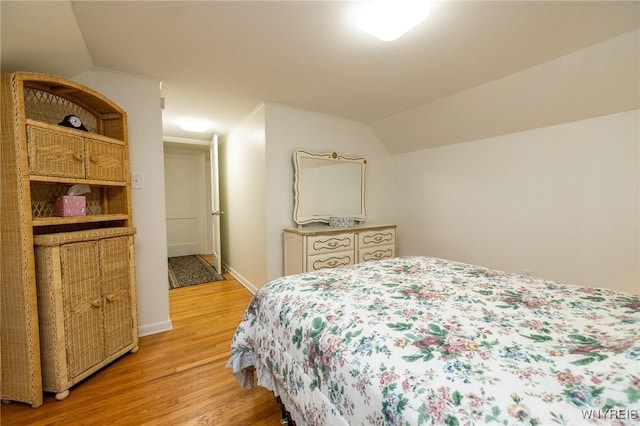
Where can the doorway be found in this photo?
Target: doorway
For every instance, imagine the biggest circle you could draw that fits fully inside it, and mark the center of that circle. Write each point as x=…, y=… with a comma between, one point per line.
x=188, y=195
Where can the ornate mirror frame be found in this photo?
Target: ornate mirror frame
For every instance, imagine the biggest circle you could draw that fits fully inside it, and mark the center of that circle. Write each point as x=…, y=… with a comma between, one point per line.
x=328, y=185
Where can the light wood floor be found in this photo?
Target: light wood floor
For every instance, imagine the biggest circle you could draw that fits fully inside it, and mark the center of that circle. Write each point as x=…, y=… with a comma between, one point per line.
x=176, y=378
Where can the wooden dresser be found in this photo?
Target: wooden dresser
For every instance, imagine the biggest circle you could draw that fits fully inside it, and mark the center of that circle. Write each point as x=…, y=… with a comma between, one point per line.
x=320, y=247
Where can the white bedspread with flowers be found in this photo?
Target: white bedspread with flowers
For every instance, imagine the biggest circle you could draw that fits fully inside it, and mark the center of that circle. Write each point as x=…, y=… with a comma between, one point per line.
x=424, y=341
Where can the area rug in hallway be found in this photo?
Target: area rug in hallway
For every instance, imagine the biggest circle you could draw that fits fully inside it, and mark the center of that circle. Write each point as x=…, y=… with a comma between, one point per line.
x=191, y=270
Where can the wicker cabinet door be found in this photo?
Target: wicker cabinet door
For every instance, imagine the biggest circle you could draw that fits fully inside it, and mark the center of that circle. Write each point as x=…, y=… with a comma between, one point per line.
x=116, y=289
x=55, y=154
x=82, y=306
x=105, y=161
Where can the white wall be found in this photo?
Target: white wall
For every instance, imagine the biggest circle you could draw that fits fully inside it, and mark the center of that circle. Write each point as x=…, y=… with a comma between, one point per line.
x=243, y=199
x=289, y=129
x=558, y=200
x=257, y=182
x=140, y=98
x=561, y=202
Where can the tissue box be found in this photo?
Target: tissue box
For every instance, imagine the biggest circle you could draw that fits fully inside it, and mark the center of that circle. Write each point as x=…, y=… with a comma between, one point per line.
x=70, y=205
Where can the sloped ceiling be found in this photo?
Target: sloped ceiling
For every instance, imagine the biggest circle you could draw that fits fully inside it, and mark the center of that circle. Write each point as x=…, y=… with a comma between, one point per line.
x=217, y=60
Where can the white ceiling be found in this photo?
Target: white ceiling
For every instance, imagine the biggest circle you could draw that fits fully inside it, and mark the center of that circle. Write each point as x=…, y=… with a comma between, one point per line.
x=218, y=60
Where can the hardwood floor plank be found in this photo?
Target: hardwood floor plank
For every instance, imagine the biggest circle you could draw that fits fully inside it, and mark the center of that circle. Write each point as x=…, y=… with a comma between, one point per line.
x=176, y=378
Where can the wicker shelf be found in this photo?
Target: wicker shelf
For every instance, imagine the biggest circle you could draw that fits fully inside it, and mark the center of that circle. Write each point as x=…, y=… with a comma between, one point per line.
x=40, y=161
x=72, y=181
x=47, y=221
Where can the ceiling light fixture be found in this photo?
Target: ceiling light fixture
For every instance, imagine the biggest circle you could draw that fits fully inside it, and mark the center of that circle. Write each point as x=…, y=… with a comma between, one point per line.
x=191, y=125
x=390, y=19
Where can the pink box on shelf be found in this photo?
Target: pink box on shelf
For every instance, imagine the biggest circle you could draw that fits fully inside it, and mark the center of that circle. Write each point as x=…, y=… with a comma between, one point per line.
x=70, y=205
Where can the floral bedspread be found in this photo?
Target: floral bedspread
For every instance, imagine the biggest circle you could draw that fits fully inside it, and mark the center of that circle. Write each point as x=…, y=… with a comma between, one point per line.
x=423, y=341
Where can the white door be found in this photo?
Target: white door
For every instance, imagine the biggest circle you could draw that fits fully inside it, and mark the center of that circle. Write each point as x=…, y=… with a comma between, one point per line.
x=185, y=195
x=215, y=203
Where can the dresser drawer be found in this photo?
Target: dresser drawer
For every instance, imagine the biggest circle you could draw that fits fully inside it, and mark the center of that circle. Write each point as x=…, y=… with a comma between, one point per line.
x=106, y=161
x=319, y=247
x=376, y=238
x=319, y=244
x=376, y=253
x=330, y=260
x=55, y=154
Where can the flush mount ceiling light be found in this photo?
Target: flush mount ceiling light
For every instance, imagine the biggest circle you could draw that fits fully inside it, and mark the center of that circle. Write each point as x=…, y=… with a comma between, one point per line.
x=390, y=19
x=191, y=125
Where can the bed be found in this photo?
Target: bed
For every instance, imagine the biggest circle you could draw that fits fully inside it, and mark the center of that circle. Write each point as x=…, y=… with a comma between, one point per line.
x=422, y=341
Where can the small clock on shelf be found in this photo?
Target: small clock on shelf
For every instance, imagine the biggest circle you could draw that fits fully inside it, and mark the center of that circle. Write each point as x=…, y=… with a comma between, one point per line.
x=74, y=122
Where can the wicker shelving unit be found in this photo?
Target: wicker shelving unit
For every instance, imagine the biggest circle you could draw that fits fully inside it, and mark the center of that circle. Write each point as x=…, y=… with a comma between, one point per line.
x=67, y=284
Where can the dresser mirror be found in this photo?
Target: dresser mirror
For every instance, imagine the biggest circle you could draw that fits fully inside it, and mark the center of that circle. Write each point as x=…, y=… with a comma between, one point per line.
x=328, y=185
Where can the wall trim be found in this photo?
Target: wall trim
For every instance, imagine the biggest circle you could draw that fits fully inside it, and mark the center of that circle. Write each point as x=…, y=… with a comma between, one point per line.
x=158, y=327
x=242, y=280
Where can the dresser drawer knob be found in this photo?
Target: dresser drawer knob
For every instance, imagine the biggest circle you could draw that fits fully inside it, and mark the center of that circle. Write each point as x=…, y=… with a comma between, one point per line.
x=96, y=303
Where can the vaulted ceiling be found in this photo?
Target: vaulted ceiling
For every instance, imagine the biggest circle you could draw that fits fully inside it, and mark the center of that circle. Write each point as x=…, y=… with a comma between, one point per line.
x=218, y=59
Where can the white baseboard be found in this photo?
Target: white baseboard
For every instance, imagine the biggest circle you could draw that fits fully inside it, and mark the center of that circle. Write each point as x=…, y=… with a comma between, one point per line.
x=158, y=327
x=242, y=280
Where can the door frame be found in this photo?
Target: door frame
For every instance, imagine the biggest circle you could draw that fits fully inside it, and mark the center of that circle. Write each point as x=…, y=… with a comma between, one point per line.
x=201, y=146
x=216, y=211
